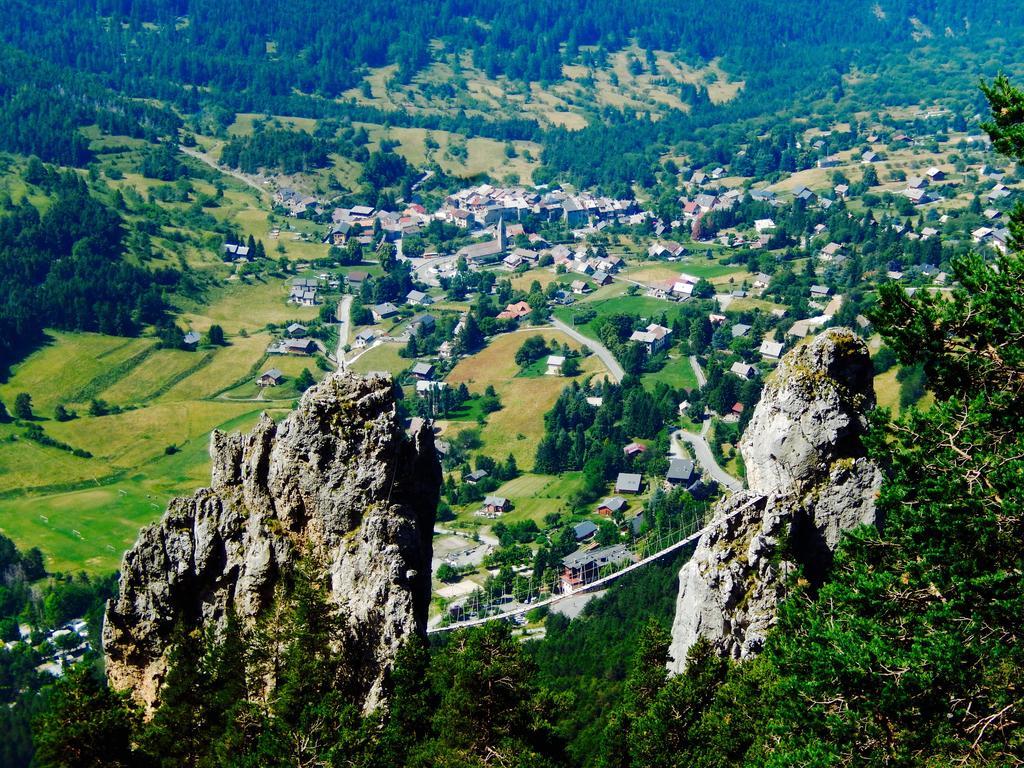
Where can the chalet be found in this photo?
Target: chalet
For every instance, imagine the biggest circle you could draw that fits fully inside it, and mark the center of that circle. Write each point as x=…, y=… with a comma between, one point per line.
x=981, y=234
x=935, y=174
x=801, y=192
x=423, y=371
x=634, y=448
x=270, y=378
x=580, y=287
x=298, y=346
x=830, y=251
x=764, y=225
x=705, y=203
x=496, y=505
x=422, y=325
x=296, y=330
x=628, y=482
x=365, y=338
x=475, y=476
x=991, y=214
x=611, y=505
x=302, y=295
x=917, y=182
x=584, y=567
x=762, y=195
x=233, y=251
x=998, y=192
x=870, y=157
x=841, y=190
x=356, y=278
x=740, y=330
x=190, y=340
x=515, y=311
x=383, y=311
x=339, y=234
x=426, y=388
x=917, y=196
x=680, y=472
x=771, y=350
x=418, y=298
x=744, y=371
x=583, y=531
x=655, y=337
x=820, y=291
x=555, y=365
x=601, y=277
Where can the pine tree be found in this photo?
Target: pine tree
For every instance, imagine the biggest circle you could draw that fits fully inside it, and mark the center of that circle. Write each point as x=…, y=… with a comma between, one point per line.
x=87, y=725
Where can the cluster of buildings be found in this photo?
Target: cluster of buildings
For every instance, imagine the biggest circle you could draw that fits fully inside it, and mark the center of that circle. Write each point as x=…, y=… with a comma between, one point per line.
x=66, y=645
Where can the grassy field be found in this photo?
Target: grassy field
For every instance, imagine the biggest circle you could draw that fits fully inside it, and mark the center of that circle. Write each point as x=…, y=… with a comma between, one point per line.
x=677, y=373
x=519, y=425
x=534, y=496
x=643, y=306
x=90, y=527
x=383, y=357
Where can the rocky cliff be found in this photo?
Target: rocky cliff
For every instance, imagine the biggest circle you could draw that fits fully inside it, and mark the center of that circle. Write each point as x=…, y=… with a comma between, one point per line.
x=808, y=482
x=338, y=481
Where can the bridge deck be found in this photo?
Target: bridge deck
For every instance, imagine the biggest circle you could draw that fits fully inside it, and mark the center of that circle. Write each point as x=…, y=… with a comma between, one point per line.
x=598, y=583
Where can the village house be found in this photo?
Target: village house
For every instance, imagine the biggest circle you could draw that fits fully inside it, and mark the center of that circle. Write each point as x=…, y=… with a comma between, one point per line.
x=744, y=371
x=680, y=472
x=365, y=337
x=423, y=371
x=628, y=482
x=190, y=340
x=611, y=505
x=356, y=278
x=296, y=330
x=739, y=330
x=580, y=287
x=475, y=476
x=497, y=505
x=584, y=567
x=426, y=388
x=555, y=363
x=515, y=311
x=298, y=346
x=422, y=325
x=270, y=378
x=771, y=350
x=235, y=251
x=383, y=311
x=764, y=225
x=655, y=337
x=584, y=531
x=633, y=449
x=418, y=298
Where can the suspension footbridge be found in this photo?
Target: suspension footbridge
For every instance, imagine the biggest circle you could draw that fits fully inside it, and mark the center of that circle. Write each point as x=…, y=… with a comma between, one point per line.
x=584, y=571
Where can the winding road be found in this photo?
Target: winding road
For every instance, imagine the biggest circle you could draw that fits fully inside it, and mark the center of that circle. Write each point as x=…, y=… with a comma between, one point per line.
x=702, y=453
x=599, y=349
x=242, y=177
x=698, y=372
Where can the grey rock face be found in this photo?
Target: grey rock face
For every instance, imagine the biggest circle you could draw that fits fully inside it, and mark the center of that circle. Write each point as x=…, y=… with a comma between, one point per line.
x=809, y=481
x=338, y=481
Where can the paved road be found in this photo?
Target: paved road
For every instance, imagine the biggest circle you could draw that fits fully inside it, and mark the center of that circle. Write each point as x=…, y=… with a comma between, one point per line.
x=706, y=459
x=344, y=316
x=698, y=372
x=599, y=349
x=242, y=177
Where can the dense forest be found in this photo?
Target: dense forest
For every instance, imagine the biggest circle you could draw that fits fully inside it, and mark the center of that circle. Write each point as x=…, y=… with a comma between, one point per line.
x=64, y=268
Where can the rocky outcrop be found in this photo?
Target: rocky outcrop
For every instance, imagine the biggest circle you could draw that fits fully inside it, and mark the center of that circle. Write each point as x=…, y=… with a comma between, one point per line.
x=337, y=482
x=809, y=481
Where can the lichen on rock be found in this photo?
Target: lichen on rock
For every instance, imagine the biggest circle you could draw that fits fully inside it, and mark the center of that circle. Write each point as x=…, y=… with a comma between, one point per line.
x=809, y=481
x=338, y=480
